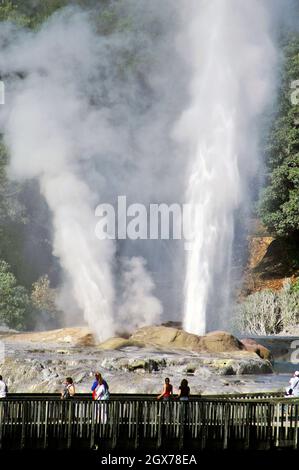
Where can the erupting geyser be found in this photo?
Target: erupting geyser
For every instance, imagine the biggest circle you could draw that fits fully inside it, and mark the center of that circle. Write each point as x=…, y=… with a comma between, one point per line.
x=232, y=57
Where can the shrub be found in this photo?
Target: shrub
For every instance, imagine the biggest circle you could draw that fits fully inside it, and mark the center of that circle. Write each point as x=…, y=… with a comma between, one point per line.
x=14, y=300
x=43, y=298
x=268, y=312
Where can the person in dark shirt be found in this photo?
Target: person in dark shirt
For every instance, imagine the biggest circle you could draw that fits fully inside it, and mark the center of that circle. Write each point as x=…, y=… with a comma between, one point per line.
x=184, y=391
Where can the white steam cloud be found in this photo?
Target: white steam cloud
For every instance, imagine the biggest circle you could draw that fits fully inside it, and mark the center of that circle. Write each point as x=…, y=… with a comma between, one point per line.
x=49, y=128
x=138, y=303
x=61, y=129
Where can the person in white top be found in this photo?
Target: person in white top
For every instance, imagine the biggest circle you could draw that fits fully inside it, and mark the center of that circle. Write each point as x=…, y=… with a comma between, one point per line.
x=3, y=388
x=293, y=389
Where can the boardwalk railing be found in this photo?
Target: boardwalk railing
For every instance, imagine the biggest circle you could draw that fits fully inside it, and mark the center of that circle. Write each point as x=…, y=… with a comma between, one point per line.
x=201, y=423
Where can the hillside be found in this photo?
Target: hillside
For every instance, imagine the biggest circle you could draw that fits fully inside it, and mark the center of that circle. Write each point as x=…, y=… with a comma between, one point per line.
x=270, y=262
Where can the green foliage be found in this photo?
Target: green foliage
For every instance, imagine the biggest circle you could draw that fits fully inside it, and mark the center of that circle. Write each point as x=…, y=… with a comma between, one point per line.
x=279, y=202
x=14, y=300
x=109, y=21
x=44, y=10
x=279, y=207
x=10, y=208
x=295, y=286
x=9, y=11
x=12, y=214
x=27, y=13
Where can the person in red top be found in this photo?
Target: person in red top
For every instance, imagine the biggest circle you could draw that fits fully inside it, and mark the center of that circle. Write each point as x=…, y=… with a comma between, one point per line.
x=167, y=390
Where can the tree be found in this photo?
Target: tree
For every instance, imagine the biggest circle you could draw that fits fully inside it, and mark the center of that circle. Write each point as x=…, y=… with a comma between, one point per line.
x=10, y=208
x=14, y=300
x=43, y=300
x=279, y=202
x=9, y=12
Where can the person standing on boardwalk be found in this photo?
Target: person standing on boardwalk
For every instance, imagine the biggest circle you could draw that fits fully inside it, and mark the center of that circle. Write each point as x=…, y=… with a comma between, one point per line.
x=99, y=387
x=184, y=391
x=101, y=391
x=69, y=388
x=3, y=388
x=167, y=391
x=293, y=389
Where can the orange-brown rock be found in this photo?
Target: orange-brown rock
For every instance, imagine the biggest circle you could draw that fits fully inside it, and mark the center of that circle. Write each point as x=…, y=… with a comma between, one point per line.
x=168, y=337
x=221, y=341
x=76, y=336
x=252, y=345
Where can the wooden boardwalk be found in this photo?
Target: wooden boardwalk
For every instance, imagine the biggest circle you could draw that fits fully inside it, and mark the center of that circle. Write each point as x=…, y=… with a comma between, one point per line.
x=212, y=422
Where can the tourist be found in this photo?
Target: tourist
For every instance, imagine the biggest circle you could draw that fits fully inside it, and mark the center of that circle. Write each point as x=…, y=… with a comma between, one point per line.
x=3, y=388
x=69, y=388
x=184, y=391
x=98, y=382
x=100, y=392
x=167, y=391
x=101, y=389
x=293, y=389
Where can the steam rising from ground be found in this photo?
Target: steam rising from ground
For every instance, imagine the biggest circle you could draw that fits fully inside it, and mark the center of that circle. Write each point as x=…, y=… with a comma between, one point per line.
x=67, y=124
x=50, y=128
x=138, y=303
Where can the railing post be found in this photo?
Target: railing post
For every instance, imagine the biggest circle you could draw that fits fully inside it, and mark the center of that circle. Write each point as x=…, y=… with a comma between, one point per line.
x=247, y=426
x=92, y=423
x=182, y=421
x=2, y=407
x=269, y=435
x=160, y=423
x=24, y=424
x=203, y=425
x=295, y=445
x=116, y=412
x=137, y=427
x=46, y=424
x=226, y=409
x=70, y=416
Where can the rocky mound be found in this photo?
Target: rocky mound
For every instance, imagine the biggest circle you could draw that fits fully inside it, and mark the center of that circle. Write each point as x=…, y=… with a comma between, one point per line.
x=168, y=337
x=157, y=337
x=74, y=336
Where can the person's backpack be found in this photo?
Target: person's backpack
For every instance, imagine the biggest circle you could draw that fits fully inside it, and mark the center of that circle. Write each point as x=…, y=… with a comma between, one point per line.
x=106, y=395
x=66, y=393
